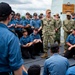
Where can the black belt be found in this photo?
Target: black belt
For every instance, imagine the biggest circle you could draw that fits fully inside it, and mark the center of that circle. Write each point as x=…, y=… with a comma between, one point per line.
x=4, y=73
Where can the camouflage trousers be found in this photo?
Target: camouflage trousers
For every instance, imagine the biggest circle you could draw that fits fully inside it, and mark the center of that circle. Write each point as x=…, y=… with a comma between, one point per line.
x=65, y=37
x=47, y=39
x=57, y=37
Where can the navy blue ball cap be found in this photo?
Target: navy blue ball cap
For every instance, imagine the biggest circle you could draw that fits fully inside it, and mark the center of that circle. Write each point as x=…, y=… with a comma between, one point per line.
x=35, y=14
x=5, y=9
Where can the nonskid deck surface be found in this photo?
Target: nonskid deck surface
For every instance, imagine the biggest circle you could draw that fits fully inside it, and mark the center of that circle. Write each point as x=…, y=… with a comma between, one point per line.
x=40, y=61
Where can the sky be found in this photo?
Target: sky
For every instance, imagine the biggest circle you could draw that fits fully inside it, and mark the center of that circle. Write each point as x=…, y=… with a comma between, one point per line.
x=23, y=6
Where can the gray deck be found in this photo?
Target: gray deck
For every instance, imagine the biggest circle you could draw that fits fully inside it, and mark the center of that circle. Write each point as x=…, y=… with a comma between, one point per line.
x=40, y=61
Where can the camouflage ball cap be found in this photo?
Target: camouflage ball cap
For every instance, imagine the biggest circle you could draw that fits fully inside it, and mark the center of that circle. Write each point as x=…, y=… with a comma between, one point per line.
x=68, y=13
x=48, y=10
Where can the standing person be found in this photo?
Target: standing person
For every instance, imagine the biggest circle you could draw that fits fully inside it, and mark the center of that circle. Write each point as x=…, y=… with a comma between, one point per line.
x=36, y=22
x=48, y=31
x=57, y=30
x=26, y=23
x=12, y=23
x=42, y=15
x=68, y=25
x=19, y=25
x=56, y=64
x=10, y=55
x=40, y=31
x=70, y=42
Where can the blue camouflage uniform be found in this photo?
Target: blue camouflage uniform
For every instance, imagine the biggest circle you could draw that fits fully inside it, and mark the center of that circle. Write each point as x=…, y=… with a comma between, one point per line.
x=10, y=54
x=37, y=46
x=29, y=29
x=71, y=39
x=19, y=30
x=26, y=21
x=24, y=40
x=26, y=50
x=36, y=23
x=33, y=36
x=56, y=65
x=19, y=22
x=71, y=71
x=69, y=53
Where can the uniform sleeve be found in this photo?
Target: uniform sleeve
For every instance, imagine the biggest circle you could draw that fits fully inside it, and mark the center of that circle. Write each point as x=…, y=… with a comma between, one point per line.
x=40, y=23
x=21, y=41
x=55, y=24
x=15, y=58
x=67, y=40
x=31, y=38
x=60, y=24
x=74, y=25
x=67, y=63
x=21, y=22
x=65, y=29
x=24, y=23
x=39, y=36
x=16, y=21
x=31, y=23
x=67, y=73
x=71, y=71
x=45, y=69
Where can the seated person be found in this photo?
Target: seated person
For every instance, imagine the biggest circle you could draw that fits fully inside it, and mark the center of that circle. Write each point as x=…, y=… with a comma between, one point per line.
x=38, y=43
x=71, y=71
x=35, y=22
x=11, y=24
x=71, y=45
x=26, y=45
x=56, y=64
x=34, y=70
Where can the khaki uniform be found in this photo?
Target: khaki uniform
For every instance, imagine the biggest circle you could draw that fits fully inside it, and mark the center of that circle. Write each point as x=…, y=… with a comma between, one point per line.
x=57, y=33
x=48, y=31
x=68, y=26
